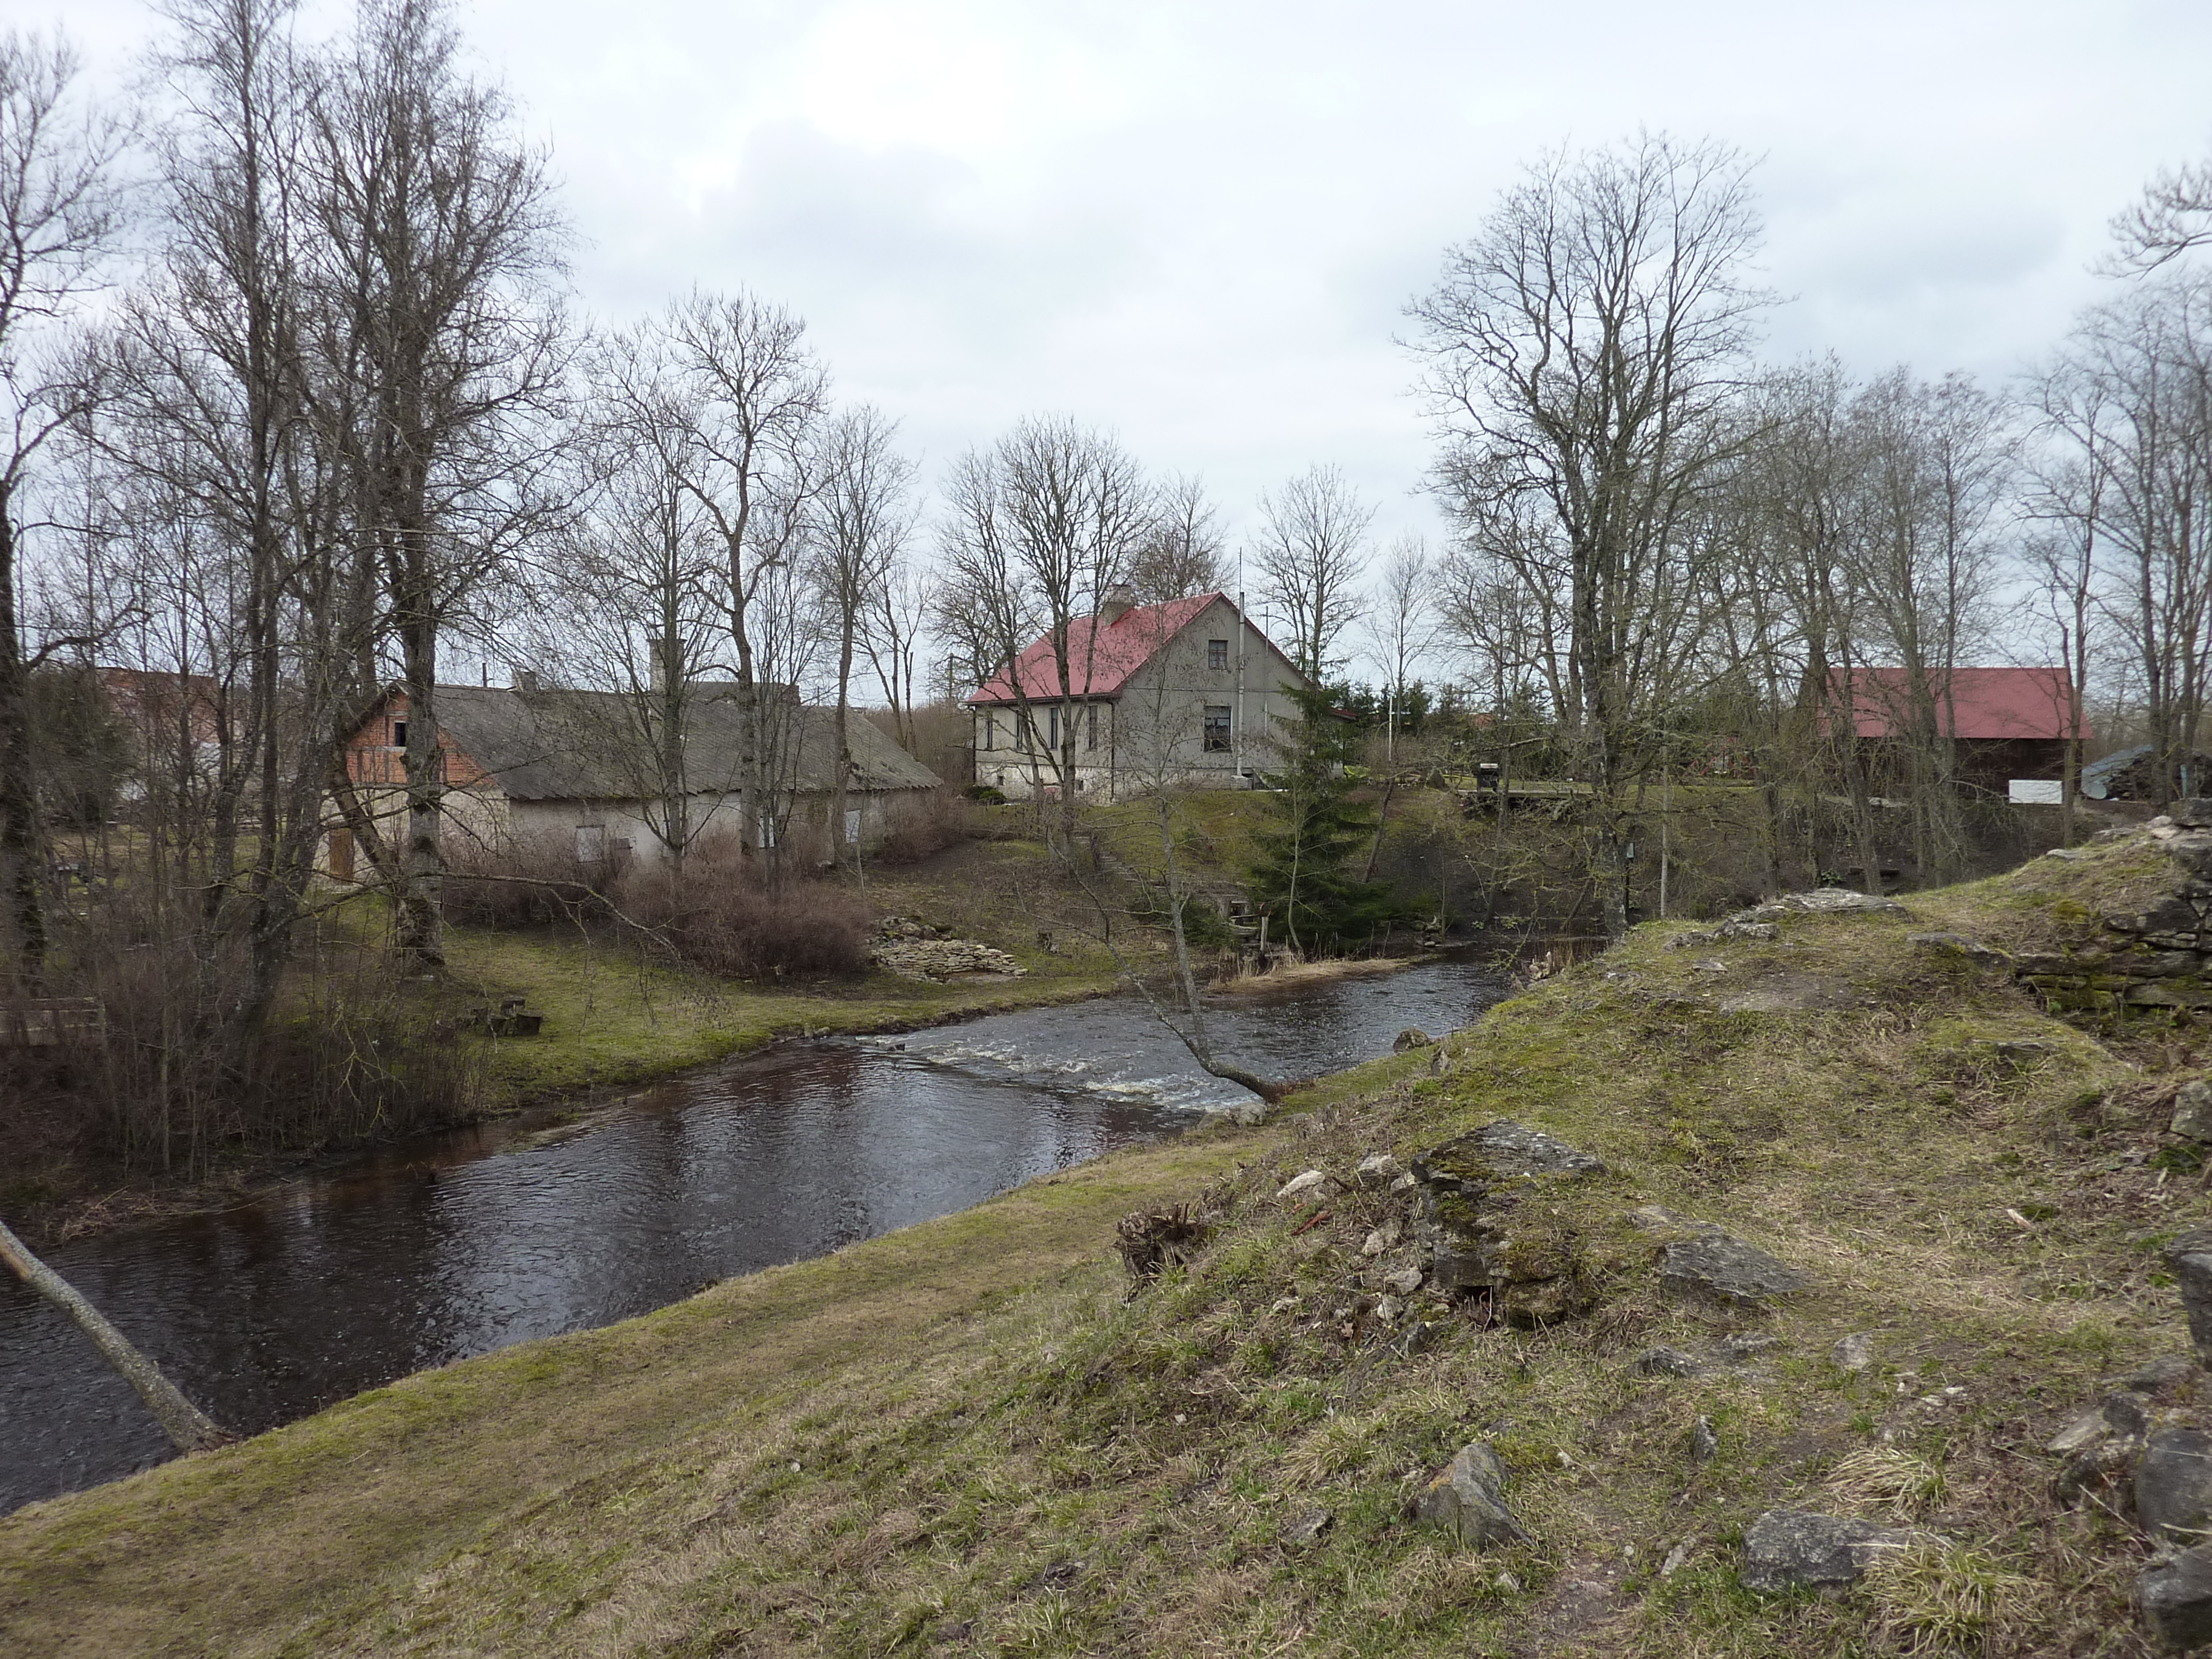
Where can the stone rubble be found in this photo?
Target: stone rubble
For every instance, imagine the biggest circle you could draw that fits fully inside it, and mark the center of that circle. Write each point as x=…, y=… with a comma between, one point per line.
x=914, y=950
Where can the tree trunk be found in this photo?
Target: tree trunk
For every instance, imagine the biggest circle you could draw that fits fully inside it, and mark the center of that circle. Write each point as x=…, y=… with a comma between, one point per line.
x=19, y=837
x=192, y=1429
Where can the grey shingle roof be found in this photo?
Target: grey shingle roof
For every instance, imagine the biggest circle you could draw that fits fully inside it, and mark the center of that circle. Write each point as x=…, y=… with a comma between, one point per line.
x=589, y=745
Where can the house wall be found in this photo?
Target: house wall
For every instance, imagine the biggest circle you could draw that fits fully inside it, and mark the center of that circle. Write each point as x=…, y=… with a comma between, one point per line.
x=1153, y=732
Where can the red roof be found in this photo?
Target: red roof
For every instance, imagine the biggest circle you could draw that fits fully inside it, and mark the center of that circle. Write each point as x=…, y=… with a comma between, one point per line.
x=1990, y=703
x=1099, y=659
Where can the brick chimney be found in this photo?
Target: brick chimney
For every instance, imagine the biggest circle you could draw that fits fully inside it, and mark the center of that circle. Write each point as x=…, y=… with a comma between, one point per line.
x=1117, y=604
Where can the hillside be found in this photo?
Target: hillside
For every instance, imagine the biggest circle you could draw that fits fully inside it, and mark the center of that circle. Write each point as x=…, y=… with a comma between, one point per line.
x=1821, y=1213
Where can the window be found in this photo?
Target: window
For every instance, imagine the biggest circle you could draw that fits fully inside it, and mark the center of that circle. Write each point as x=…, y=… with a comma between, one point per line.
x=1052, y=727
x=1090, y=726
x=766, y=828
x=591, y=843
x=1217, y=654
x=990, y=732
x=1216, y=729
x=851, y=823
x=398, y=731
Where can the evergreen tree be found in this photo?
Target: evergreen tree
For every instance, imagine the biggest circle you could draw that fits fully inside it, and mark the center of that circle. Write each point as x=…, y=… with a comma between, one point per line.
x=1302, y=879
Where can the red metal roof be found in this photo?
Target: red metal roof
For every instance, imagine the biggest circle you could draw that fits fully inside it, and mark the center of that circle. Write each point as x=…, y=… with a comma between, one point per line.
x=1099, y=659
x=1989, y=703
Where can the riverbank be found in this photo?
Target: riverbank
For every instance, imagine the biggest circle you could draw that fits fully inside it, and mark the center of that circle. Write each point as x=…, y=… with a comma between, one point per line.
x=614, y=1022
x=973, y=1437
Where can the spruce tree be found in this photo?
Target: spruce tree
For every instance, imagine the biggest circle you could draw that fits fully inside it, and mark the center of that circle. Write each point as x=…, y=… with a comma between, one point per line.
x=1300, y=879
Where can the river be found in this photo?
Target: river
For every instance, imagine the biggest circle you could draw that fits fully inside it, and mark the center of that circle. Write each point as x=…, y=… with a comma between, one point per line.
x=457, y=1244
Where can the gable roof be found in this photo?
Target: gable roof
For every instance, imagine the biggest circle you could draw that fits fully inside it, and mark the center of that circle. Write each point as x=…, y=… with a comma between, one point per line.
x=1988, y=703
x=1101, y=660
x=584, y=745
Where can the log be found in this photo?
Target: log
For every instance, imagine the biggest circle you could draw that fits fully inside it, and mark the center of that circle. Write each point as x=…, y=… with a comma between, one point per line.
x=184, y=1423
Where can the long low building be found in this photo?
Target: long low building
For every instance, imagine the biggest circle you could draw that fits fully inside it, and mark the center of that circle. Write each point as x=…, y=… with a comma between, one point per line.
x=592, y=770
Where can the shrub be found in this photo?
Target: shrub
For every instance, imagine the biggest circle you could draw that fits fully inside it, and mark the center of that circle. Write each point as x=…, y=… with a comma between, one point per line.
x=921, y=828
x=984, y=794
x=715, y=916
x=527, y=882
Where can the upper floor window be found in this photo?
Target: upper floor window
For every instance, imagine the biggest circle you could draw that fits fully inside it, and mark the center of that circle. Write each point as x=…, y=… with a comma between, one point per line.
x=1090, y=726
x=990, y=732
x=1216, y=653
x=398, y=731
x=1216, y=729
x=1052, y=727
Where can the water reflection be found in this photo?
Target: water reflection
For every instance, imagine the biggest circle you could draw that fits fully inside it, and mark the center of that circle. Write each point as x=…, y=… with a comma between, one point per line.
x=464, y=1243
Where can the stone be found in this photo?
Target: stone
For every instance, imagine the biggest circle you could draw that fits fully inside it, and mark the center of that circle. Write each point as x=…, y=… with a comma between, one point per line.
x=1705, y=1441
x=1958, y=944
x=2194, y=813
x=1387, y=1309
x=1676, y=1559
x=1742, y=1344
x=2168, y=1374
x=2190, y=1256
x=1719, y=1267
x=1663, y=1361
x=1468, y=1499
x=2173, y=1484
x=1854, y=1353
x=1411, y=1038
x=1405, y=1281
x=2174, y=1593
x=2192, y=1111
x=1302, y=1183
x=2116, y=1416
x=1510, y=1149
x=1790, y=1549
x=1375, y=1243
x=1378, y=1170
x=1820, y=902
x=1307, y=1527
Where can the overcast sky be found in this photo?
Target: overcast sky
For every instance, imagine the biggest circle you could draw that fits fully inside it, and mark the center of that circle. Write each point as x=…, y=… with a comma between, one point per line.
x=1196, y=223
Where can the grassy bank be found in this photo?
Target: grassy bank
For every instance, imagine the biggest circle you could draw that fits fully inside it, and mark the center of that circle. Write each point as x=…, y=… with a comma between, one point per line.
x=972, y=1437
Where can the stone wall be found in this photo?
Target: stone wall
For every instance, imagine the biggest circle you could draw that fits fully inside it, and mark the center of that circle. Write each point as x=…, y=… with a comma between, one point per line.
x=2157, y=957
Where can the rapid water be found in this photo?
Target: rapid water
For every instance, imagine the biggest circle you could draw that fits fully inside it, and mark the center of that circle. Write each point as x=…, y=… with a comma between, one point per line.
x=458, y=1244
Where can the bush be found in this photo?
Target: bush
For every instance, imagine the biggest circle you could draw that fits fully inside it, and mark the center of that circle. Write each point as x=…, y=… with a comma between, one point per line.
x=531, y=881
x=714, y=916
x=923, y=827
x=984, y=794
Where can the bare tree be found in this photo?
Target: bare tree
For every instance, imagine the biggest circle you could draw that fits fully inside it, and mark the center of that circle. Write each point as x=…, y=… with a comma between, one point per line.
x=1581, y=352
x=2172, y=216
x=2130, y=399
x=441, y=248
x=1311, y=550
x=862, y=515
x=1184, y=553
x=1039, y=532
x=892, y=622
x=1402, y=624
x=755, y=396
x=59, y=213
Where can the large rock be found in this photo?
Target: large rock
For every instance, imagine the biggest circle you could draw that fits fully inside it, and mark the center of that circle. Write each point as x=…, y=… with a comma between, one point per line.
x=1491, y=1222
x=1718, y=1266
x=1820, y=902
x=1790, y=1549
x=2174, y=1485
x=1468, y=1498
x=2192, y=1111
x=2190, y=1256
x=2175, y=1595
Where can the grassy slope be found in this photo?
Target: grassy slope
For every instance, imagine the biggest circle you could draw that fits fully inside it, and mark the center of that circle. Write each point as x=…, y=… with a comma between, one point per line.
x=911, y=1460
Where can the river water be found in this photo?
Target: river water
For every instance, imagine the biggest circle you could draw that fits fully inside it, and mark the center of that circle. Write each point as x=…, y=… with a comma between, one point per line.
x=460, y=1243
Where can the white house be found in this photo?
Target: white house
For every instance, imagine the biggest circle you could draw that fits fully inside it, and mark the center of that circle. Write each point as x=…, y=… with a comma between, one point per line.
x=1185, y=692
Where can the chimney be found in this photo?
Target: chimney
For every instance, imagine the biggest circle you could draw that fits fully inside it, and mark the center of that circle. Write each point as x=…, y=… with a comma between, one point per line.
x=1118, y=603
x=664, y=652
x=524, y=679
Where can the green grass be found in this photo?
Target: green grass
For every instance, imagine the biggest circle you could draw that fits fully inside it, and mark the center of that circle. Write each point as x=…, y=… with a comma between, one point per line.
x=972, y=1437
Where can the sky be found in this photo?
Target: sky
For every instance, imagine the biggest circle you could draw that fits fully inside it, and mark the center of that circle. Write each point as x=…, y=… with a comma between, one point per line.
x=1197, y=224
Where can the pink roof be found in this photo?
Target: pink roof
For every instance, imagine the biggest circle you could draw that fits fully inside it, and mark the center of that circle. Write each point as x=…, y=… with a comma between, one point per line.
x=1099, y=659
x=1989, y=702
